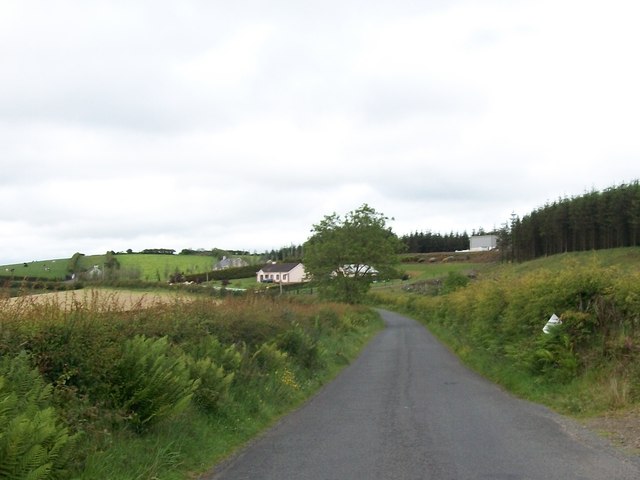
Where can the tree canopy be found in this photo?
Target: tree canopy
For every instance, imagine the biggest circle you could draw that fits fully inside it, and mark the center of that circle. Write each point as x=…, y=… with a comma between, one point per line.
x=345, y=255
x=593, y=221
x=425, y=242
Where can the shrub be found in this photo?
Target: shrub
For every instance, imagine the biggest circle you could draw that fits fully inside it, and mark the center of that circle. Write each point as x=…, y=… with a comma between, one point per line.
x=33, y=443
x=269, y=358
x=67, y=352
x=150, y=382
x=301, y=347
x=213, y=385
x=226, y=356
x=454, y=281
x=553, y=357
x=271, y=373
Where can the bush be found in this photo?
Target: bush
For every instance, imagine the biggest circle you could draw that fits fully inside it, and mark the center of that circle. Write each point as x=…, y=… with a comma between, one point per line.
x=209, y=346
x=454, y=281
x=33, y=443
x=150, y=382
x=271, y=374
x=301, y=347
x=213, y=385
x=66, y=352
x=553, y=358
x=268, y=358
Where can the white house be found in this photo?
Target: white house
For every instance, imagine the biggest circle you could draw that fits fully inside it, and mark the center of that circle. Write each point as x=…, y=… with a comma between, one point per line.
x=355, y=269
x=483, y=242
x=233, y=262
x=94, y=273
x=281, y=273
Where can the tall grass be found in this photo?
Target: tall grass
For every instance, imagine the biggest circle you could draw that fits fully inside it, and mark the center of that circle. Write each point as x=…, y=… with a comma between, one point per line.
x=165, y=391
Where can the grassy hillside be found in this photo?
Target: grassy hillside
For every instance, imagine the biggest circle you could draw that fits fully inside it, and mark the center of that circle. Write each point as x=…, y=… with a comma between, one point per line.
x=625, y=259
x=54, y=269
x=587, y=365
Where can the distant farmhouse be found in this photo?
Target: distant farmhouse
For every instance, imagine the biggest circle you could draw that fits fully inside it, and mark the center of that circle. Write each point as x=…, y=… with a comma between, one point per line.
x=353, y=269
x=94, y=273
x=281, y=273
x=480, y=243
x=230, y=263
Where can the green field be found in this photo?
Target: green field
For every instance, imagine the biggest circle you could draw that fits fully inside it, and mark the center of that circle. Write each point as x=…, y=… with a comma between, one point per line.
x=55, y=269
x=158, y=268
x=133, y=266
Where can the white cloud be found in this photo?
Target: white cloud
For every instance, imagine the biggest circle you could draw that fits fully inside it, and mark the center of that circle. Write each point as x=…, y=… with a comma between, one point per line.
x=240, y=124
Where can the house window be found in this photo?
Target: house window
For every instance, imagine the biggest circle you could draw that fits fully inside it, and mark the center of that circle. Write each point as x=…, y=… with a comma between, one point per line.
x=278, y=276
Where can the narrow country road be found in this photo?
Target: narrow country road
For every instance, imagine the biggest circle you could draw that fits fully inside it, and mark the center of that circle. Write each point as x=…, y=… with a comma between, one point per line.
x=407, y=409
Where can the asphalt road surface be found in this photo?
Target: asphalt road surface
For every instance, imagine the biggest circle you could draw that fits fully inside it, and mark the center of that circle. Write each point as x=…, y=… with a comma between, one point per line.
x=407, y=409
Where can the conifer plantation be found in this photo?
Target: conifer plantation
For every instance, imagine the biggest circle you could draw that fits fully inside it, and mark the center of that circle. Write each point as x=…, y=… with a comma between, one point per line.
x=593, y=221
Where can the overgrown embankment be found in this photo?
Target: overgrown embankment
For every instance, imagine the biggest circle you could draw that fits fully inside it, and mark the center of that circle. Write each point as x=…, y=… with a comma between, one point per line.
x=91, y=391
x=587, y=365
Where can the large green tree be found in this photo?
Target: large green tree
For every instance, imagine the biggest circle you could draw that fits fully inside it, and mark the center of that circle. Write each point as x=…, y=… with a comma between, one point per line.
x=344, y=255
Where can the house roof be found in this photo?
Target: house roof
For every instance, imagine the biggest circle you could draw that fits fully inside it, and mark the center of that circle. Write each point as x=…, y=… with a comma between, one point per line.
x=352, y=268
x=230, y=262
x=279, y=267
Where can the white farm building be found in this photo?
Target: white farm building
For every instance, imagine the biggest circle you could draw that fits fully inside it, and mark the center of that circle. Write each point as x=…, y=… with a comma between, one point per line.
x=483, y=242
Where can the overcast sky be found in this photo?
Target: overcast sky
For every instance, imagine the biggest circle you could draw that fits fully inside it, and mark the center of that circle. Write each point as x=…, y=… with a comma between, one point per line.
x=240, y=124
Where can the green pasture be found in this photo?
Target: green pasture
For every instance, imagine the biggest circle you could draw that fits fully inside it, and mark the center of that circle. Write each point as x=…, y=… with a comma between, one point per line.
x=133, y=266
x=55, y=269
x=152, y=268
x=249, y=282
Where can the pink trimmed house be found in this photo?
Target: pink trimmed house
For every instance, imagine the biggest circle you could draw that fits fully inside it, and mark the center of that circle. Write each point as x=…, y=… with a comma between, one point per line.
x=281, y=273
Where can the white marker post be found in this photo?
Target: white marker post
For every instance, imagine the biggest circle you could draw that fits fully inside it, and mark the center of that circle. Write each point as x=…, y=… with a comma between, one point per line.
x=552, y=322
